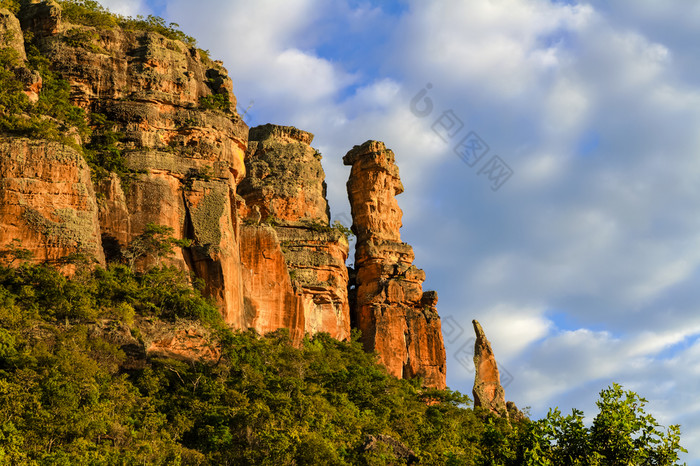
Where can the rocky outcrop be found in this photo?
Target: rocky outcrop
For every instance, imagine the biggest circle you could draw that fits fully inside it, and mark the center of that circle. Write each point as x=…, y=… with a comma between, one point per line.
x=397, y=319
x=12, y=37
x=390, y=449
x=42, y=18
x=285, y=177
x=182, y=159
x=168, y=148
x=488, y=392
x=47, y=202
x=285, y=188
x=11, y=33
x=184, y=341
x=270, y=301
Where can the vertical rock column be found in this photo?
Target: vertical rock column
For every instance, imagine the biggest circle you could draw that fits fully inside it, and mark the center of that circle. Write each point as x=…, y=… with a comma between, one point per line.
x=396, y=318
x=488, y=392
x=293, y=262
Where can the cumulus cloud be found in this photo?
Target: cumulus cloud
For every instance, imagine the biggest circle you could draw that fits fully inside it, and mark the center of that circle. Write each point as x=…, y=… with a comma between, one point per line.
x=127, y=7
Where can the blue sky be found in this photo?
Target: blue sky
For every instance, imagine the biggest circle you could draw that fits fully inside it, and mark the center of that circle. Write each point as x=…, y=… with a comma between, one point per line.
x=583, y=267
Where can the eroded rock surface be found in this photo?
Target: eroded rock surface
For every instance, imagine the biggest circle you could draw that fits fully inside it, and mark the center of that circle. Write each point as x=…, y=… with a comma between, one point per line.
x=285, y=188
x=397, y=319
x=182, y=159
x=488, y=392
x=47, y=202
x=11, y=33
x=256, y=214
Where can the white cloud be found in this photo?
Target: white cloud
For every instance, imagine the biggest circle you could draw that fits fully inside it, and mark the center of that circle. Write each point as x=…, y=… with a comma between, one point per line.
x=126, y=7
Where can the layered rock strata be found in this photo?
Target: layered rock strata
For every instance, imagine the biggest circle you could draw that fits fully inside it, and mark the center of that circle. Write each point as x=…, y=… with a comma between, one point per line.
x=288, y=245
x=181, y=158
x=488, y=392
x=174, y=152
x=397, y=319
x=47, y=201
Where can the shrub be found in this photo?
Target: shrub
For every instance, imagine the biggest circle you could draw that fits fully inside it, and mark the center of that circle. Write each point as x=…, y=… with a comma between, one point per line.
x=91, y=13
x=12, y=5
x=88, y=13
x=216, y=102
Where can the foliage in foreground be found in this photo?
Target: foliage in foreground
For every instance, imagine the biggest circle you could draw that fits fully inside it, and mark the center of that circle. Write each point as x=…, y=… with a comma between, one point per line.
x=66, y=399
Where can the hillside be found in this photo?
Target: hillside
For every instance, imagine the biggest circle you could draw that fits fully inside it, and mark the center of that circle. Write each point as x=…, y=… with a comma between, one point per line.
x=172, y=290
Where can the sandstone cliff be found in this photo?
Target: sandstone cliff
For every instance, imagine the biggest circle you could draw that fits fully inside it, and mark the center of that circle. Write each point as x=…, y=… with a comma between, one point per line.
x=397, y=319
x=181, y=160
x=285, y=189
x=167, y=147
x=47, y=201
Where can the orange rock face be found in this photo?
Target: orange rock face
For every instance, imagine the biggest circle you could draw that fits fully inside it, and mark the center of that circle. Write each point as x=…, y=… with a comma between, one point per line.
x=488, y=392
x=270, y=301
x=184, y=344
x=397, y=319
x=185, y=158
x=47, y=202
x=285, y=177
x=255, y=211
x=284, y=185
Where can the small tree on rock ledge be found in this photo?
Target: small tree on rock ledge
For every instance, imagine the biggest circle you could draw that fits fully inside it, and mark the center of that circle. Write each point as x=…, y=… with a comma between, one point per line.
x=156, y=241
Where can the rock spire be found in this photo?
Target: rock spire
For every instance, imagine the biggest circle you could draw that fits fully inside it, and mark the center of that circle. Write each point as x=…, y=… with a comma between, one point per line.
x=488, y=392
x=397, y=319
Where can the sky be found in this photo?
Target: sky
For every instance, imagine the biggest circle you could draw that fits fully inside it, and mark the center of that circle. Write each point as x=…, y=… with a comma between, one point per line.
x=551, y=163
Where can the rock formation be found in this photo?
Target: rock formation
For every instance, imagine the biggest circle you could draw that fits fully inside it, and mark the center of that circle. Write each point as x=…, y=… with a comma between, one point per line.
x=252, y=203
x=394, y=449
x=47, y=200
x=488, y=392
x=182, y=159
x=397, y=319
x=13, y=37
x=305, y=257
x=11, y=33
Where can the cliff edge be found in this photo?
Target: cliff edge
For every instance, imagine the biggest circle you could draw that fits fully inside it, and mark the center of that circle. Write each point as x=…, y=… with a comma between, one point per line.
x=148, y=134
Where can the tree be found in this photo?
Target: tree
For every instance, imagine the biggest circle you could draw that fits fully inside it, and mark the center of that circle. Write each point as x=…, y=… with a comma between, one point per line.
x=621, y=434
x=156, y=241
x=15, y=252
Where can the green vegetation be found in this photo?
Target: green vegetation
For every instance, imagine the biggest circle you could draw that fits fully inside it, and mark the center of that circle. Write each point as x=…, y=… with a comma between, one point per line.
x=52, y=117
x=155, y=242
x=82, y=38
x=12, y=5
x=218, y=101
x=205, y=173
x=67, y=395
x=104, y=154
x=91, y=13
x=622, y=433
x=338, y=226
